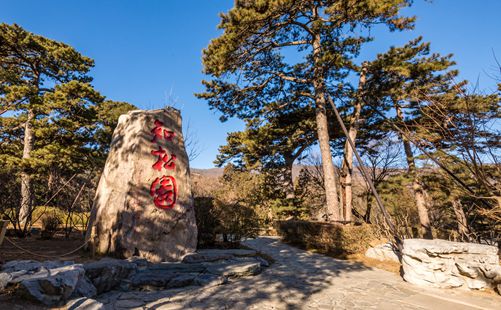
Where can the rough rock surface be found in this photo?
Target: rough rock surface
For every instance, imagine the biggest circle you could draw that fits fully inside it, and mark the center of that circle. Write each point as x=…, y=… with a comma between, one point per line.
x=304, y=280
x=143, y=204
x=446, y=264
x=56, y=283
x=235, y=270
x=383, y=252
x=108, y=273
x=5, y=278
x=53, y=288
x=49, y=282
x=32, y=266
x=84, y=303
x=209, y=255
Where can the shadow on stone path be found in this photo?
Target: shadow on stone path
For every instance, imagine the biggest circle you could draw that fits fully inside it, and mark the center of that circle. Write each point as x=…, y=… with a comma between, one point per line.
x=303, y=280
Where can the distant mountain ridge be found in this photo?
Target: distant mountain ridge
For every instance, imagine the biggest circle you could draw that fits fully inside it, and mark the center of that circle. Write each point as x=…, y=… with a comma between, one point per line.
x=210, y=172
x=217, y=172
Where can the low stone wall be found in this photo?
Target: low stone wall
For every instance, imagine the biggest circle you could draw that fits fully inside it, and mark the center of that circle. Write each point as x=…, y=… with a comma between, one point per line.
x=446, y=264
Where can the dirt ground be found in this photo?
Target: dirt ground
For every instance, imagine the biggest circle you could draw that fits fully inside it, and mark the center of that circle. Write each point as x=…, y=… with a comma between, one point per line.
x=54, y=248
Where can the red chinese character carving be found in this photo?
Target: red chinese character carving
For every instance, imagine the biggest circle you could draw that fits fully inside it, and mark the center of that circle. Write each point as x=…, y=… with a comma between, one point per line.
x=159, y=132
x=164, y=159
x=164, y=192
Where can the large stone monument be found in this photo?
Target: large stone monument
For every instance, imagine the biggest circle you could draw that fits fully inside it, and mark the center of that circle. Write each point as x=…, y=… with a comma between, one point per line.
x=143, y=204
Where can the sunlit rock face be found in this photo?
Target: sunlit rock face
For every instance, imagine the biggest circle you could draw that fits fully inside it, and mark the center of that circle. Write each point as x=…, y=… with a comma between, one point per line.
x=143, y=204
x=446, y=264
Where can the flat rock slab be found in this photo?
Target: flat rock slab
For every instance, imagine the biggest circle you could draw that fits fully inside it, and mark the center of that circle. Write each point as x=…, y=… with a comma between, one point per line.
x=233, y=252
x=178, y=267
x=210, y=280
x=235, y=270
x=212, y=255
x=29, y=266
x=162, y=279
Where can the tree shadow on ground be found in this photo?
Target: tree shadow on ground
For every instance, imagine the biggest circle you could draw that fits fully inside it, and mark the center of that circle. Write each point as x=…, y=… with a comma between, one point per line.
x=288, y=283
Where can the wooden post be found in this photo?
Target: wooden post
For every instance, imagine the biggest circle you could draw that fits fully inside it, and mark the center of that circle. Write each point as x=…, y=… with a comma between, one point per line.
x=3, y=229
x=93, y=241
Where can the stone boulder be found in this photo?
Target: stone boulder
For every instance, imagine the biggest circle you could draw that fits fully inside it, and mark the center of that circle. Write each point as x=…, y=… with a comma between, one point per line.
x=382, y=252
x=108, y=273
x=54, y=288
x=446, y=264
x=143, y=204
x=49, y=282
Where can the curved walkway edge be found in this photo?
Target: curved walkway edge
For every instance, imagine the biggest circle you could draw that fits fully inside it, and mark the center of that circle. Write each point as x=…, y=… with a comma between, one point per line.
x=302, y=280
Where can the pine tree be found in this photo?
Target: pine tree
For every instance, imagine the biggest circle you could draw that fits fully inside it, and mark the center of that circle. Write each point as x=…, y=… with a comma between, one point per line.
x=252, y=76
x=272, y=145
x=458, y=129
x=58, y=123
x=402, y=79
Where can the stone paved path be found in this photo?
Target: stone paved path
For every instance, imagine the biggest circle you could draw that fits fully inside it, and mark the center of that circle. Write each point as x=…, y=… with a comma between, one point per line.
x=302, y=280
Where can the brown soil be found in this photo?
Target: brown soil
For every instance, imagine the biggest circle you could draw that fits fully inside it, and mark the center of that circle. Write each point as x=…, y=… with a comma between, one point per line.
x=387, y=265
x=55, y=247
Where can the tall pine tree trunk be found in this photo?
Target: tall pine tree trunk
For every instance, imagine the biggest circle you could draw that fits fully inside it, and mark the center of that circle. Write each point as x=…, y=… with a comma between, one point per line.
x=347, y=167
x=289, y=179
x=461, y=219
x=26, y=186
x=417, y=187
x=332, y=203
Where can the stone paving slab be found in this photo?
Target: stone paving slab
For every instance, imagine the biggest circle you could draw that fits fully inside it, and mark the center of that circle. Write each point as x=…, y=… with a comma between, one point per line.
x=302, y=280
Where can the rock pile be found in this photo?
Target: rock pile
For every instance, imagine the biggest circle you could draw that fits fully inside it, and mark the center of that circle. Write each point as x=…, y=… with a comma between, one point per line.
x=446, y=264
x=58, y=283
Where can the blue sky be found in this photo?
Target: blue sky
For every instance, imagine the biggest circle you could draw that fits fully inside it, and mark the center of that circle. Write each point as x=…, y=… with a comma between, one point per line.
x=149, y=52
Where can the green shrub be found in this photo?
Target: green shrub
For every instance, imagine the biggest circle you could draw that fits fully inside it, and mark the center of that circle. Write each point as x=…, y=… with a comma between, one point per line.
x=330, y=238
x=233, y=221
x=207, y=222
x=50, y=224
x=237, y=221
